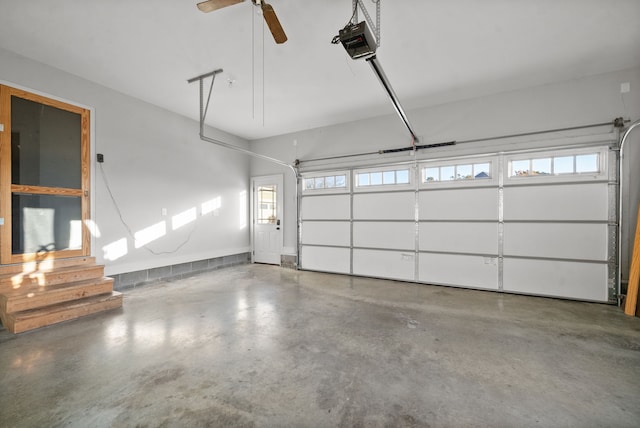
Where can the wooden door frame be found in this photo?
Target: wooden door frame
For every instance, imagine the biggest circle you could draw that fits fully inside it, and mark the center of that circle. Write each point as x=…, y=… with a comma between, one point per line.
x=6, y=187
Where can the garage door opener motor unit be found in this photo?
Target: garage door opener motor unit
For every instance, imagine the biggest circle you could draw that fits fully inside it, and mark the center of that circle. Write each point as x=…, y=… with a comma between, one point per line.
x=360, y=43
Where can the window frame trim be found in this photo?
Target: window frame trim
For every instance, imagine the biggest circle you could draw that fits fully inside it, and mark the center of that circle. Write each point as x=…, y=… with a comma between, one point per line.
x=602, y=174
x=383, y=187
x=324, y=174
x=483, y=182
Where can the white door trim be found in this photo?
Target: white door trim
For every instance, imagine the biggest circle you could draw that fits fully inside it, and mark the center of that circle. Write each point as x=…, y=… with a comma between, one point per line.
x=277, y=179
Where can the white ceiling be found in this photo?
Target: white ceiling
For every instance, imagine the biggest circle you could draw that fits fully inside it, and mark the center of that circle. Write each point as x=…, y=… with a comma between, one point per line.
x=433, y=51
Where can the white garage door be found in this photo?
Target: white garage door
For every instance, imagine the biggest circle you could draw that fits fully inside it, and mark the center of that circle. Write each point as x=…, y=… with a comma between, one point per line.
x=535, y=222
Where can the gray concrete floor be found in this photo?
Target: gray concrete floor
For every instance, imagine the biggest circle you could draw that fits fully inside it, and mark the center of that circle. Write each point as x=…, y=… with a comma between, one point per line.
x=263, y=346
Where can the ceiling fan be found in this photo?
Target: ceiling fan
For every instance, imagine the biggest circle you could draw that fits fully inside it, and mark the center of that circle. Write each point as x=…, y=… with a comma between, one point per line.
x=269, y=14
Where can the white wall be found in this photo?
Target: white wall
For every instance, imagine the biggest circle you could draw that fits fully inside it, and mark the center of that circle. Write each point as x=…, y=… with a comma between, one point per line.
x=154, y=159
x=584, y=101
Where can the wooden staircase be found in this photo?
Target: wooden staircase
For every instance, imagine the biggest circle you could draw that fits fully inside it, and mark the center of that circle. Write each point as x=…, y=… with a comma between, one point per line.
x=37, y=294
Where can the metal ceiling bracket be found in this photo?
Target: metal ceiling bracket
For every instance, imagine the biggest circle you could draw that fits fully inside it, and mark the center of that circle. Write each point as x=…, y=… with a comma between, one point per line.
x=203, y=115
x=365, y=12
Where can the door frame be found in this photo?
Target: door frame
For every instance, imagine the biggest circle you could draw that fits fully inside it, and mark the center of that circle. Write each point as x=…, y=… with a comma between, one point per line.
x=279, y=180
x=7, y=89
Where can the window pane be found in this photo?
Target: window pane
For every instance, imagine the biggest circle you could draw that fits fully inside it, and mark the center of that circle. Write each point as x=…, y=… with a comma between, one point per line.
x=464, y=172
x=482, y=170
x=520, y=167
x=563, y=165
x=376, y=178
x=319, y=182
x=389, y=177
x=45, y=145
x=431, y=174
x=267, y=204
x=447, y=173
x=402, y=176
x=541, y=166
x=587, y=163
x=341, y=181
x=330, y=182
x=363, y=179
x=43, y=223
x=309, y=183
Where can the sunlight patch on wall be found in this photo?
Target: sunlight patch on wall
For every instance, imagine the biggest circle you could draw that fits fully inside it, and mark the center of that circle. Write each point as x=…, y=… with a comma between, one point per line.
x=149, y=234
x=211, y=205
x=39, y=228
x=115, y=250
x=185, y=217
x=242, y=203
x=75, y=234
x=93, y=228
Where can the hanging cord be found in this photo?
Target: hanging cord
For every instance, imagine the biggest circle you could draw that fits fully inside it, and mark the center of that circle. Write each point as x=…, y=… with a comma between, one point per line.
x=353, y=15
x=336, y=39
x=126, y=226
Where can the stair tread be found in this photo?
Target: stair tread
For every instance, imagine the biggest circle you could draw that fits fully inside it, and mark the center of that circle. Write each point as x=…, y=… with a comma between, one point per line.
x=61, y=307
x=61, y=269
x=47, y=265
x=66, y=274
x=35, y=289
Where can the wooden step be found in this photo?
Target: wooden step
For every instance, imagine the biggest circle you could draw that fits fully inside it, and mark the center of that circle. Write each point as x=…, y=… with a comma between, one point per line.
x=45, y=265
x=35, y=296
x=58, y=276
x=19, y=322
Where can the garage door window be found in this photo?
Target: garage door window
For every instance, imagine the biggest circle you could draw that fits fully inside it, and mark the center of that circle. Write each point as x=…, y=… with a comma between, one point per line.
x=324, y=183
x=563, y=164
x=382, y=178
x=471, y=171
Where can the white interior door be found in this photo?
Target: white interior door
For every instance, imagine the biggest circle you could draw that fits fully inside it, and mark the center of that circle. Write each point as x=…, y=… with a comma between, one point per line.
x=267, y=219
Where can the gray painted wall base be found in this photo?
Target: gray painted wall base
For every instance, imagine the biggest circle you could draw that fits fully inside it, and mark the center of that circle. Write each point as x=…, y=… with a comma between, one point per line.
x=288, y=261
x=149, y=276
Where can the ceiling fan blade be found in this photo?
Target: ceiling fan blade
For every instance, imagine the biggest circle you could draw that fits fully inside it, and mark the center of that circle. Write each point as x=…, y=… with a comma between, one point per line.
x=211, y=5
x=273, y=23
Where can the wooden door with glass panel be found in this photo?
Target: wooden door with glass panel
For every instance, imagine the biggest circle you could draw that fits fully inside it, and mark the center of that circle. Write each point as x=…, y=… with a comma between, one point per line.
x=44, y=178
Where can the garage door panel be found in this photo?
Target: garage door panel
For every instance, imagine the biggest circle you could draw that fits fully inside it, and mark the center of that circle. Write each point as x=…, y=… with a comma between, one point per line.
x=330, y=207
x=459, y=270
x=384, y=206
x=459, y=204
x=326, y=233
x=574, y=280
x=325, y=259
x=556, y=240
x=399, y=236
x=459, y=237
x=384, y=264
x=540, y=225
x=559, y=202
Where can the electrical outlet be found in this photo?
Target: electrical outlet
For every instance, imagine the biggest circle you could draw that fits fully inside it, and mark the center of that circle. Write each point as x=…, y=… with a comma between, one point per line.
x=625, y=88
x=100, y=157
x=163, y=211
